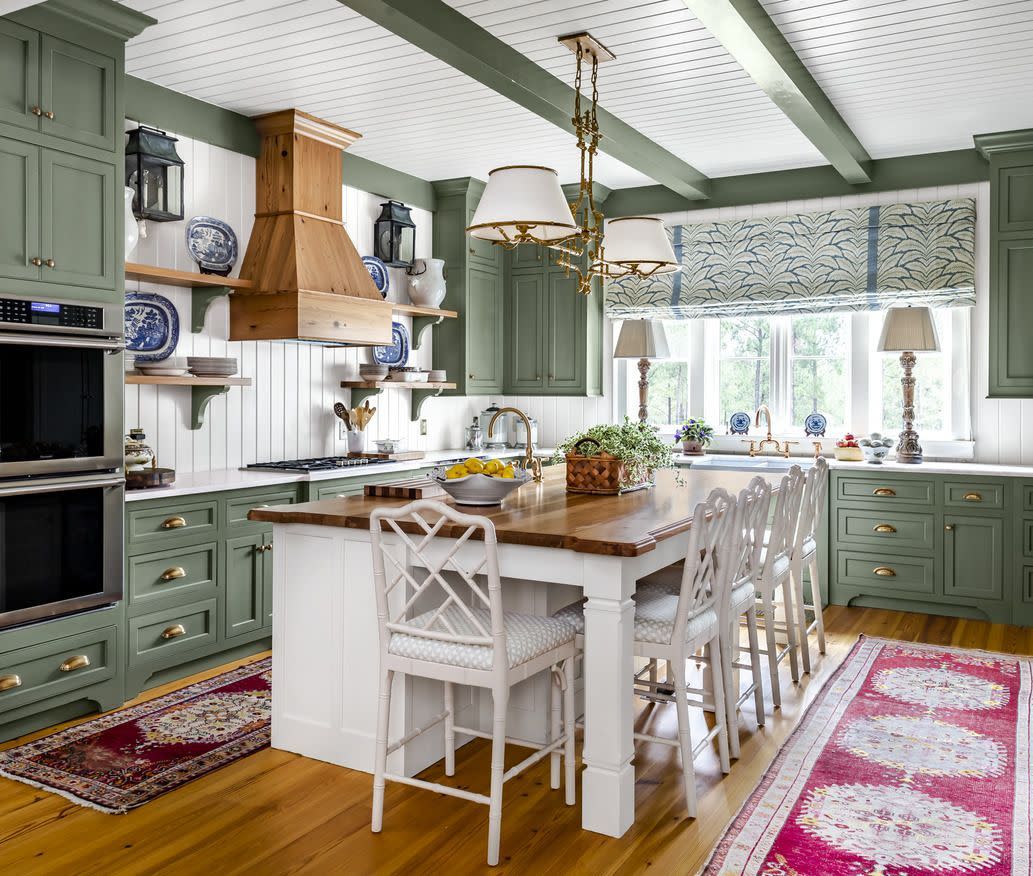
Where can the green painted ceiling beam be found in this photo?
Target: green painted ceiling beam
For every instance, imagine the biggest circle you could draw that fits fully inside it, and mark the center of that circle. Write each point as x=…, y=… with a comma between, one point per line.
x=754, y=40
x=438, y=29
x=887, y=174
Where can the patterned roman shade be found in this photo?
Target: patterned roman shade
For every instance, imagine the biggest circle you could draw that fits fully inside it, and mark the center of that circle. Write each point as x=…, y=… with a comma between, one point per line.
x=867, y=258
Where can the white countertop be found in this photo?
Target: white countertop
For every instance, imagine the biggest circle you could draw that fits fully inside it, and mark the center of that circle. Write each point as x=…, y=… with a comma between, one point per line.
x=963, y=469
x=190, y=483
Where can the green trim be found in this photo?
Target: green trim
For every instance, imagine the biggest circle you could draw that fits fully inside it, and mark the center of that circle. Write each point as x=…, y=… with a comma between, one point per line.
x=420, y=324
x=1003, y=141
x=753, y=39
x=201, y=298
x=888, y=174
x=154, y=105
x=200, y=397
x=439, y=30
x=105, y=15
x=378, y=179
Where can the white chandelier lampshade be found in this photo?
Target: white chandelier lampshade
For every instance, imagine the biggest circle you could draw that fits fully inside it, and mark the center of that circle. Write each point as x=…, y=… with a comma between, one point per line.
x=909, y=329
x=638, y=244
x=523, y=203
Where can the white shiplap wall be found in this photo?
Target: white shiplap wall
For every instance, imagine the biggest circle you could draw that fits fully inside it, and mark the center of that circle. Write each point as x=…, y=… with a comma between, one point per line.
x=287, y=412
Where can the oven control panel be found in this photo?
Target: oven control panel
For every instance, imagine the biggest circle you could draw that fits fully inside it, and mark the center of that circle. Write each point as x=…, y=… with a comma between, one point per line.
x=21, y=310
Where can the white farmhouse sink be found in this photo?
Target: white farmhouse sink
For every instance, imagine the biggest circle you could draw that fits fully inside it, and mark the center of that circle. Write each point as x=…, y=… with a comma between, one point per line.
x=730, y=462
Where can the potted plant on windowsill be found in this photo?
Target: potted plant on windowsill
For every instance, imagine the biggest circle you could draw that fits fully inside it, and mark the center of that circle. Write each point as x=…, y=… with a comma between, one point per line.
x=695, y=436
x=613, y=457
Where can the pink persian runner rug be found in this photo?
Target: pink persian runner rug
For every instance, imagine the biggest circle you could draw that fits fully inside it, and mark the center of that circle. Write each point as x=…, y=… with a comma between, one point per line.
x=913, y=761
x=130, y=756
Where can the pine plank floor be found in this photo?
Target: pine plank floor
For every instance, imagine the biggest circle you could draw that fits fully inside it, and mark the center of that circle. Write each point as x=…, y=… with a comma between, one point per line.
x=278, y=813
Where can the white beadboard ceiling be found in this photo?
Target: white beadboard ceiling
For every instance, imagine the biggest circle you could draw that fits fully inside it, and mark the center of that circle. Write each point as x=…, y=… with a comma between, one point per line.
x=907, y=75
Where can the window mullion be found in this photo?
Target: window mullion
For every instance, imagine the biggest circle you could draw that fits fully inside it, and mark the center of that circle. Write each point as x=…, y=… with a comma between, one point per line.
x=781, y=368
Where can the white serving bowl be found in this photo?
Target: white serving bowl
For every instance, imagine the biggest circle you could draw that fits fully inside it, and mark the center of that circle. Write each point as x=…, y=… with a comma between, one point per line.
x=388, y=445
x=480, y=489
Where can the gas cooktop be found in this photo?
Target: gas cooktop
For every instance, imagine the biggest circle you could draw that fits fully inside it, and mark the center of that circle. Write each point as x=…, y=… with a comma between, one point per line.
x=319, y=463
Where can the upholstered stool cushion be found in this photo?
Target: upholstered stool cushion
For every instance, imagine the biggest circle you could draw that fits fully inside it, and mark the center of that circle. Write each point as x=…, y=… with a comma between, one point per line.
x=655, y=608
x=527, y=636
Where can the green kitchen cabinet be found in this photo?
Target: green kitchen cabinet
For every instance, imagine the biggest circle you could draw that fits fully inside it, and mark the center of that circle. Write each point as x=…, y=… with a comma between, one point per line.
x=525, y=319
x=566, y=313
x=77, y=94
x=245, y=584
x=20, y=196
x=1011, y=261
x=973, y=557
x=484, y=315
x=19, y=75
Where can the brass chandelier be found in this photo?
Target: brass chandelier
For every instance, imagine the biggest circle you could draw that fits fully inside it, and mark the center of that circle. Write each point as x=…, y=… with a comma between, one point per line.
x=525, y=204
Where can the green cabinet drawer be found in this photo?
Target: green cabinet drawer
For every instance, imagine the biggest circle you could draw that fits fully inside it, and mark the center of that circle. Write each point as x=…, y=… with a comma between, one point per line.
x=186, y=574
x=886, y=573
x=878, y=530
x=1027, y=538
x=1027, y=497
x=886, y=491
x=973, y=556
x=197, y=519
x=974, y=495
x=237, y=509
x=38, y=672
x=1027, y=584
x=166, y=634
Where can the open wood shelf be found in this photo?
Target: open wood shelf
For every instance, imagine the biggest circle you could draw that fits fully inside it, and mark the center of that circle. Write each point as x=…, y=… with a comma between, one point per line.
x=419, y=310
x=172, y=277
x=391, y=384
x=421, y=391
x=202, y=390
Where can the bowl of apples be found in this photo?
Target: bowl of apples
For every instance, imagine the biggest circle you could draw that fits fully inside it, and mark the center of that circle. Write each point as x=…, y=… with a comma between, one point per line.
x=848, y=449
x=480, y=482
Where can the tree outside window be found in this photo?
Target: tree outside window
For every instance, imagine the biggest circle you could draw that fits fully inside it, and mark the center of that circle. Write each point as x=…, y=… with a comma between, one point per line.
x=745, y=365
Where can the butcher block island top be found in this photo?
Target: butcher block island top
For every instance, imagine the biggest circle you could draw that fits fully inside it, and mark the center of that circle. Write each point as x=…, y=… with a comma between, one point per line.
x=546, y=515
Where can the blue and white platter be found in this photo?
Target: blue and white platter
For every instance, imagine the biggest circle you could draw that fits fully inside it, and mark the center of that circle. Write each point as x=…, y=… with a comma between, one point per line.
x=398, y=352
x=815, y=425
x=378, y=271
x=152, y=326
x=739, y=423
x=212, y=244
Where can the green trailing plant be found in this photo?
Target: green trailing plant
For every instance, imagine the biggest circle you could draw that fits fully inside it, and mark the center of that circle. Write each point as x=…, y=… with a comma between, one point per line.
x=637, y=445
x=694, y=430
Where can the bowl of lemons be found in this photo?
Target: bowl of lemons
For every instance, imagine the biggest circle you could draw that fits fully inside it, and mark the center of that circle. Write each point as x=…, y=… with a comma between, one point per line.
x=480, y=482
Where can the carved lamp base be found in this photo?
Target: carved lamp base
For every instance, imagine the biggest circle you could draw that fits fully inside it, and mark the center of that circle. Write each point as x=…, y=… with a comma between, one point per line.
x=908, y=449
x=643, y=389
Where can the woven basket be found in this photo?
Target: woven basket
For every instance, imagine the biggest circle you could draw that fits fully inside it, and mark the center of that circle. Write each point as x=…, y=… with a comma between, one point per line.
x=600, y=473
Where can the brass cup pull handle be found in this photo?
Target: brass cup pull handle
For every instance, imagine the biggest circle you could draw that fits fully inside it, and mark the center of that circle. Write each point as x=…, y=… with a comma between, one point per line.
x=36, y=111
x=79, y=661
x=884, y=491
x=973, y=497
x=174, y=632
x=37, y=263
x=176, y=522
x=173, y=573
x=884, y=572
x=884, y=527
x=8, y=682
x=49, y=114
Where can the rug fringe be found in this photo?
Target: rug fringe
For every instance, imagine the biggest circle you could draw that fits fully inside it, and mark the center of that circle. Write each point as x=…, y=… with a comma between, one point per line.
x=68, y=795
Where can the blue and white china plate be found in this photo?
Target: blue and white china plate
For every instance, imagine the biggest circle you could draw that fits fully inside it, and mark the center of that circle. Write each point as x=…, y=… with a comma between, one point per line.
x=739, y=423
x=378, y=271
x=152, y=326
x=398, y=352
x=212, y=244
x=815, y=425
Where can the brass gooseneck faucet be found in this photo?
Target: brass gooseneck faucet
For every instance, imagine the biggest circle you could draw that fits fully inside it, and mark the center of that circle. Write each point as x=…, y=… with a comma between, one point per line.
x=757, y=447
x=530, y=462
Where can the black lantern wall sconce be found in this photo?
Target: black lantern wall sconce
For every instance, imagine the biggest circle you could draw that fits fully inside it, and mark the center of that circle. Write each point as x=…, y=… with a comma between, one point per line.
x=394, y=235
x=154, y=171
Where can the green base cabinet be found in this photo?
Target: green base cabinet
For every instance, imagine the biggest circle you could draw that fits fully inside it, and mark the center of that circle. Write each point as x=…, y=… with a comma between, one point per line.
x=924, y=542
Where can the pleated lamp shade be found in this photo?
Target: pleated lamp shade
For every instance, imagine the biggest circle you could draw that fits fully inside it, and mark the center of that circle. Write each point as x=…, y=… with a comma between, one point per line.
x=909, y=329
x=522, y=195
x=641, y=339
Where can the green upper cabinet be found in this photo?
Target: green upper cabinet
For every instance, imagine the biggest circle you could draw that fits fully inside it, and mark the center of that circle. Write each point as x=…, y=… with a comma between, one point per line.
x=77, y=94
x=19, y=75
x=1011, y=261
x=484, y=314
x=566, y=326
x=525, y=332
x=20, y=197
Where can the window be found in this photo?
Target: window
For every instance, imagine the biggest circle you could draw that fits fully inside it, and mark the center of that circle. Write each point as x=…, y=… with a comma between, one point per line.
x=799, y=364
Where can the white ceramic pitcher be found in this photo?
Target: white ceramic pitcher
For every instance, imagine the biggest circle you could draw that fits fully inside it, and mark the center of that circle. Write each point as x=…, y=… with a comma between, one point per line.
x=132, y=231
x=427, y=282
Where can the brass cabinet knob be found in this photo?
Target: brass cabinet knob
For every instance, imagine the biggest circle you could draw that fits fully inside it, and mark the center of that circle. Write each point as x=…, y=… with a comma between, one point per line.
x=884, y=572
x=79, y=661
x=471, y=376
x=173, y=573
x=7, y=682
x=949, y=527
x=268, y=547
x=173, y=632
x=176, y=522
x=37, y=262
x=884, y=491
x=884, y=527
x=973, y=497
x=36, y=111
x=50, y=263
x=49, y=114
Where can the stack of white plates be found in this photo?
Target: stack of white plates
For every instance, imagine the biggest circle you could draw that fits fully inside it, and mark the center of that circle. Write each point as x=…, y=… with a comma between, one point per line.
x=212, y=366
x=174, y=366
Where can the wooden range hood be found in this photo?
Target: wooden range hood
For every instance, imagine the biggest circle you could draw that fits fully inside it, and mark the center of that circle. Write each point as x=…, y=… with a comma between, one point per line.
x=310, y=283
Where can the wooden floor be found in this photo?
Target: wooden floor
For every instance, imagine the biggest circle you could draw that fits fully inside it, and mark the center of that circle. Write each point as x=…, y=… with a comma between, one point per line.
x=274, y=813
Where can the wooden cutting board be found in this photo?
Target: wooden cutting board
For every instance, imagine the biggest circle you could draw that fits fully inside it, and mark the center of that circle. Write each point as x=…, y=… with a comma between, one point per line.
x=410, y=488
x=401, y=456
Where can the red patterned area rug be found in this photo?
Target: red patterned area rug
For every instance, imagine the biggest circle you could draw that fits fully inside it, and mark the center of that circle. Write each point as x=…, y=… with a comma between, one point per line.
x=130, y=756
x=913, y=761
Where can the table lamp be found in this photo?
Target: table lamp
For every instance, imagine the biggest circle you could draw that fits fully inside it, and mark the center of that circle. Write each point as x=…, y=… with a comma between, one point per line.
x=641, y=339
x=908, y=330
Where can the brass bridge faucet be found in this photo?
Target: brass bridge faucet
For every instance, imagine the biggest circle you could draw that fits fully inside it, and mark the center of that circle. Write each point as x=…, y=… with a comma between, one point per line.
x=757, y=447
x=530, y=462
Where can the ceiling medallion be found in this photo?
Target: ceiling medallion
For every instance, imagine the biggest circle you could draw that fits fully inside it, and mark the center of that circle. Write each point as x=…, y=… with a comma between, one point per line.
x=525, y=204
